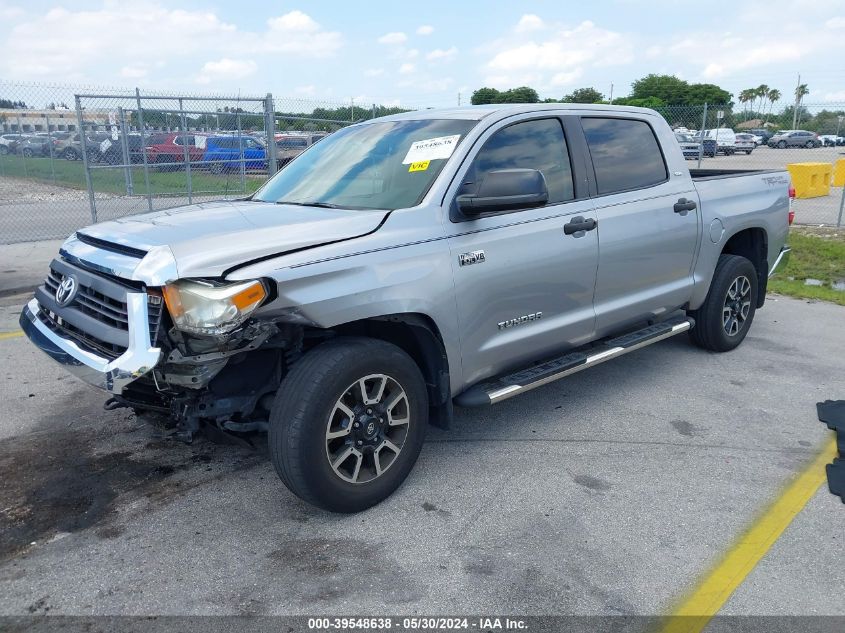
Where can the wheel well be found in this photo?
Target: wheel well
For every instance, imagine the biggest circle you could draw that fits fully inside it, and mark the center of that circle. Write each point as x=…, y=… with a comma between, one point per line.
x=753, y=244
x=419, y=337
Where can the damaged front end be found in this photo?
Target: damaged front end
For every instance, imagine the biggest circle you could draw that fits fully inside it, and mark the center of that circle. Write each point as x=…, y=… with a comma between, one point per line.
x=196, y=351
x=226, y=380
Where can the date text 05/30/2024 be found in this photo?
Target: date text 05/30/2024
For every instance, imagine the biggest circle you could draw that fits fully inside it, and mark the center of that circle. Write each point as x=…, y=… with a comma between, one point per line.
x=417, y=624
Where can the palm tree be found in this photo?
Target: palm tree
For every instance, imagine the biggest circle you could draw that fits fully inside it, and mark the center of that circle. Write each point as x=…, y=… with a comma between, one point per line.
x=762, y=91
x=744, y=97
x=800, y=92
x=773, y=96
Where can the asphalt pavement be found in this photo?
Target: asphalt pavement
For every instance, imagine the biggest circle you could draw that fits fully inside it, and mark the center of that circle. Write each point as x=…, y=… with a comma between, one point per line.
x=610, y=492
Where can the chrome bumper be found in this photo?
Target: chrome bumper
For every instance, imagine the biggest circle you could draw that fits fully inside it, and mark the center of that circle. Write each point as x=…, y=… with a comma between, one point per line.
x=106, y=373
x=782, y=260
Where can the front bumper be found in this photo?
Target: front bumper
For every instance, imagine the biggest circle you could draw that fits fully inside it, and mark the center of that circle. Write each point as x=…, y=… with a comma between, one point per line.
x=105, y=373
x=782, y=259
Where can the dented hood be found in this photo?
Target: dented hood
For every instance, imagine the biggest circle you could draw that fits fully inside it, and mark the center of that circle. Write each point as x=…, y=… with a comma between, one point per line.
x=210, y=238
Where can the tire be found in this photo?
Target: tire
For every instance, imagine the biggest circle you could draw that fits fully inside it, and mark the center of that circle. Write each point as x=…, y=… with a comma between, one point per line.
x=70, y=154
x=3, y=150
x=782, y=145
x=810, y=145
x=312, y=402
x=216, y=168
x=711, y=329
x=26, y=152
x=748, y=153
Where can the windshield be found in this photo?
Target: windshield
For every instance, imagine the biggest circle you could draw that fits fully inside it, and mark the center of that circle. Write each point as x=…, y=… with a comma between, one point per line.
x=382, y=165
x=684, y=138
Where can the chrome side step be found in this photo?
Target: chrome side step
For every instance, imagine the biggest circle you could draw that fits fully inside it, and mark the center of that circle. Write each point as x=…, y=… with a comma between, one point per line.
x=510, y=385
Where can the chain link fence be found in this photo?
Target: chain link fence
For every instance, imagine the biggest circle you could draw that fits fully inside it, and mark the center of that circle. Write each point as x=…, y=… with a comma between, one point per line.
x=73, y=155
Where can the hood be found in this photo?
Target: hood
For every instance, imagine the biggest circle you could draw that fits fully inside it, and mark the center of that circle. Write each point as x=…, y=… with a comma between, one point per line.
x=210, y=238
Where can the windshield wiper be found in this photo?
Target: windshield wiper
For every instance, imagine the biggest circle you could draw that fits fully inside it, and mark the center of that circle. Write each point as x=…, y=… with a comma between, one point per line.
x=321, y=205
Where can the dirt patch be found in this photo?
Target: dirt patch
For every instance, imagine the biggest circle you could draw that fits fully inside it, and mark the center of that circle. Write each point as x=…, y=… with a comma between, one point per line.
x=328, y=568
x=70, y=479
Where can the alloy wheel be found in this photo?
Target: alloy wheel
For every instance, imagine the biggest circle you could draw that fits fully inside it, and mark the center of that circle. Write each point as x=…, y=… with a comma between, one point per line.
x=367, y=428
x=737, y=305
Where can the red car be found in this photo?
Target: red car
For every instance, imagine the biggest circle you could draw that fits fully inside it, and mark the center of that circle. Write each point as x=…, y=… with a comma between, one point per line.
x=170, y=148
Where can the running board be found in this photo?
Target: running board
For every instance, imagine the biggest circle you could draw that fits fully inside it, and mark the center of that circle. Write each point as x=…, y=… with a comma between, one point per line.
x=510, y=385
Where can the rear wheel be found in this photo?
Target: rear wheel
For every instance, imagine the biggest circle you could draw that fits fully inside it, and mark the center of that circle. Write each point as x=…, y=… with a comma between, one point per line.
x=27, y=153
x=3, y=150
x=782, y=144
x=348, y=423
x=70, y=154
x=810, y=145
x=724, y=319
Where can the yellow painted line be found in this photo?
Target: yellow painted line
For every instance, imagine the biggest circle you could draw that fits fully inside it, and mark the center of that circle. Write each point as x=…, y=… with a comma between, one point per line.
x=5, y=335
x=713, y=591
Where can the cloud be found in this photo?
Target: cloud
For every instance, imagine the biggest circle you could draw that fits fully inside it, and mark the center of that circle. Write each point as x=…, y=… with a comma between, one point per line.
x=10, y=12
x=226, y=69
x=412, y=54
x=135, y=71
x=439, y=53
x=425, y=29
x=565, y=79
x=374, y=72
x=393, y=38
x=835, y=23
x=406, y=69
x=123, y=33
x=549, y=55
x=297, y=33
x=529, y=22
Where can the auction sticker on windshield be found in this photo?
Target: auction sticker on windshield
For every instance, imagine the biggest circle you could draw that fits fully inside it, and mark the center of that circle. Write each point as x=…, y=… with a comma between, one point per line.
x=431, y=149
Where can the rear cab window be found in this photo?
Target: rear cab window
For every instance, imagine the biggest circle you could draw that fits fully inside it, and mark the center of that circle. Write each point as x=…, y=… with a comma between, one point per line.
x=625, y=153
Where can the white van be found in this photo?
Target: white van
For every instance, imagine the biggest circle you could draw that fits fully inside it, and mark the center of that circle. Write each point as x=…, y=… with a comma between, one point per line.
x=725, y=139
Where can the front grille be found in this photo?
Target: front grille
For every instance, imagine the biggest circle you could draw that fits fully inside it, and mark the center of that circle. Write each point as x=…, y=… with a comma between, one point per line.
x=110, y=311
x=98, y=316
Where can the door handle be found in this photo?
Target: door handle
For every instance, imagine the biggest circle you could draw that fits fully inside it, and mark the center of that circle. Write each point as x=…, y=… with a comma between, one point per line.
x=683, y=205
x=579, y=224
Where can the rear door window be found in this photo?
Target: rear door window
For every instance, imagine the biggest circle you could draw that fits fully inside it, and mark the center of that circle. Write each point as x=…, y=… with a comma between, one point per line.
x=625, y=154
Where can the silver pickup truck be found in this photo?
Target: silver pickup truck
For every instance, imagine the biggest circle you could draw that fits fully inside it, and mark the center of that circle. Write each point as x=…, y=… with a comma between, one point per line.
x=405, y=265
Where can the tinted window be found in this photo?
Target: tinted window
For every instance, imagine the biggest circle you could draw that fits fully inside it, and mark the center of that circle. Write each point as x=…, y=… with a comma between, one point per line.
x=625, y=154
x=530, y=145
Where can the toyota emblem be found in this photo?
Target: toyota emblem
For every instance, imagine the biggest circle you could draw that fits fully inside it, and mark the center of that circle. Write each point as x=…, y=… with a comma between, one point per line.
x=66, y=291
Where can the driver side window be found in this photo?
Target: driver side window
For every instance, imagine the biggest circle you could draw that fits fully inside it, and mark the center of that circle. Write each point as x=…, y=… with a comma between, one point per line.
x=538, y=144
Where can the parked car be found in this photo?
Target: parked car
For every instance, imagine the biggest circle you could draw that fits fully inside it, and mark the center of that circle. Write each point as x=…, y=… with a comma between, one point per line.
x=289, y=146
x=168, y=149
x=227, y=153
x=795, y=138
x=709, y=147
x=689, y=146
x=71, y=148
x=744, y=142
x=762, y=134
x=35, y=146
x=831, y=140
x=431, y=258
x=9, y=143
x=725, y=139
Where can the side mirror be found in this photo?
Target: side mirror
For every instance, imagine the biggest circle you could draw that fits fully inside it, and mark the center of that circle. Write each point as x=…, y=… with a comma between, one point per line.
x=506, y=190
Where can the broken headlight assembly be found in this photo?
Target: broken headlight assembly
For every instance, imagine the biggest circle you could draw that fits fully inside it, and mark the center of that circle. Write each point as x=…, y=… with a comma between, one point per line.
x=201, y=307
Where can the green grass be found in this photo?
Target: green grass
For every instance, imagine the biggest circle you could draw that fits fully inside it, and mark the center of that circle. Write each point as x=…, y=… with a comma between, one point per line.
x=68, y=173
x=816, y=254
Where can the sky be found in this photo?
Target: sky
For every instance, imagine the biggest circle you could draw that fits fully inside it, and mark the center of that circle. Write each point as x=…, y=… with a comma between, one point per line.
x=422, y=53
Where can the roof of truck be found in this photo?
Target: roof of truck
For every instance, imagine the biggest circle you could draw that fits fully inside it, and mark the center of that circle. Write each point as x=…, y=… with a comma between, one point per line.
x=478, y=112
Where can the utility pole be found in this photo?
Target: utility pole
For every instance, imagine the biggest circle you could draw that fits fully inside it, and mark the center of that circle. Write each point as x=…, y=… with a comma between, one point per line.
x=795, y=107
x=611, y=93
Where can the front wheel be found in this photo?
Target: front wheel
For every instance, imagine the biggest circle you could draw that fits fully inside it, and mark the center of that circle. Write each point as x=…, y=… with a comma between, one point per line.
x=782, y=145
x=348, y=423
x=724, y=319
